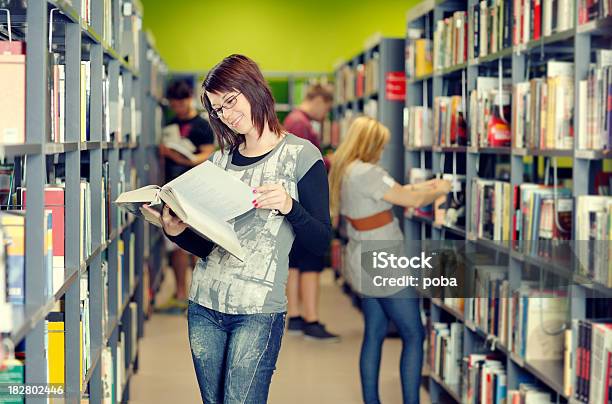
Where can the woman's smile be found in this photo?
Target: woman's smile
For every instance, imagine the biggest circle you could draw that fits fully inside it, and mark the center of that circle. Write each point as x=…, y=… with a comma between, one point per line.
x=236, y=121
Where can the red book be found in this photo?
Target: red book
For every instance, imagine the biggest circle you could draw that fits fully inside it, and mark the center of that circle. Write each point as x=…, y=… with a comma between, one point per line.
x=54, y=201
x=537, y=19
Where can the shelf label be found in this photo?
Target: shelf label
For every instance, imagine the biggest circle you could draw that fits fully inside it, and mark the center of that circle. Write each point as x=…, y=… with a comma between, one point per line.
x=395, y=86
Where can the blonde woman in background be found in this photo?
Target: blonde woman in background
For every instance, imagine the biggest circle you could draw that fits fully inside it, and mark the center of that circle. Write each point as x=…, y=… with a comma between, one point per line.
x=364, y=193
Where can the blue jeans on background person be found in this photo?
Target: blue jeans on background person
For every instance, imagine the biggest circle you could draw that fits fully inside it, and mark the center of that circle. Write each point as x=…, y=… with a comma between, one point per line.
x=406, y=315
x=234, y=355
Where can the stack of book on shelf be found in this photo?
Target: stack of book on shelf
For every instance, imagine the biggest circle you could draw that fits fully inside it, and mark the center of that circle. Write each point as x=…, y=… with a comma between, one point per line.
x=12, y=223
x=456, y=303
x=54, y=202
x=359, y=80
x=536, y=321
x=491, y=209
x=529, y=393
x=592, y=366
x=484, y=379
x=490, y=27
x=417, y=127
x=57, y=92
x=419, y=57
x=594, y=223
x=590, y=10
x=372, y=69
x=345, y=85
x=13, y=82
x=445, y=351
x=595, y=119
x=544, y=109
x=449, y=126
x=543, y=217
x=488, y=310
x=450, y=41
x=490, y=115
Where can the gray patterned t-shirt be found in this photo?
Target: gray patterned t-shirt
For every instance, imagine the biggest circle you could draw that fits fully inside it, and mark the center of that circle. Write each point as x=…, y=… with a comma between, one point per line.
x=220, y=281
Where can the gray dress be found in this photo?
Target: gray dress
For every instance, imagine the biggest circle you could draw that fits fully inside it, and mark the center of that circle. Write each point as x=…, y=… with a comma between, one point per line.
x=361, y=195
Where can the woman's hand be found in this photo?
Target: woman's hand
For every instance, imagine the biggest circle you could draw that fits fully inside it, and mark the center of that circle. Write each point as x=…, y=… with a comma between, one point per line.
x=273, y=196
x=441, y=186
x=173, y=226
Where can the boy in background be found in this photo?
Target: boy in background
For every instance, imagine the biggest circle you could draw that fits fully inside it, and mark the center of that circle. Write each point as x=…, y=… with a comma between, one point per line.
x=195, y=128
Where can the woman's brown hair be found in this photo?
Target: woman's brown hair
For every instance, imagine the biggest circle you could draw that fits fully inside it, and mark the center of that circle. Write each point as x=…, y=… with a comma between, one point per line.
x=240, y=73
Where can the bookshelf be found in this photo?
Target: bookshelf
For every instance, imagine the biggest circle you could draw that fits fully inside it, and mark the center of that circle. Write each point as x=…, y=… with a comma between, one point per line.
x=361, y=88
x=115, y=149
x=517, y=63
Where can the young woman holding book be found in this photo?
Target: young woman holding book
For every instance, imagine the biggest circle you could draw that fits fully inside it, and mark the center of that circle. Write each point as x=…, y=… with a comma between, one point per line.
x=364, y=193
x=237, y=309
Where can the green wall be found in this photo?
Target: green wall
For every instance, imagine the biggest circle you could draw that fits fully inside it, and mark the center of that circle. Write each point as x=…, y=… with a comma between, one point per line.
x=307, y=35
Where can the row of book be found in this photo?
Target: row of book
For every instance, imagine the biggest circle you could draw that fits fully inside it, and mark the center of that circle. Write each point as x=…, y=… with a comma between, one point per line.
x=491, y=209
x=595, y=120
x=445, y=351
x=418, y=54
x=360, y=81
x=489, y=27
x=450, y=41
x=12, y=224
x=590, y=10
x=55, y=328
x=545, y=109
x=542, y=110
x=529, y=322
x=485, y=380
x=494, y=25
x=13, y=81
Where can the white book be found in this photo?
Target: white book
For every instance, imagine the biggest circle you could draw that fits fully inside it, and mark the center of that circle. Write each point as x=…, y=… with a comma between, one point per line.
x=206, y=198
x=583, y=137
x=171, y=138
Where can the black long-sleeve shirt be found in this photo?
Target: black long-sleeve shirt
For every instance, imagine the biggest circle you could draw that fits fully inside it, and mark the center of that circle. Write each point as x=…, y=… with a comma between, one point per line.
x=309, y=217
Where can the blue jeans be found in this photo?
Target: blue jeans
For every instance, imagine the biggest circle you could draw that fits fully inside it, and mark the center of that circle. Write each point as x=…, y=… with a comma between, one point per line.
x=405, y=314
x=234, y=354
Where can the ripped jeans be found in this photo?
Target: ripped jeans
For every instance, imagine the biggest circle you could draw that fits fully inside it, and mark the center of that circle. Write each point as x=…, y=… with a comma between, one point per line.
x=234, y=355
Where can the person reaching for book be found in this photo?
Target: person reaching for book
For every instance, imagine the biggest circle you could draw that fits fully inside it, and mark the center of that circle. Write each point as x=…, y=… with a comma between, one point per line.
x=237, y=309
x=196, y=131
x=364, y=193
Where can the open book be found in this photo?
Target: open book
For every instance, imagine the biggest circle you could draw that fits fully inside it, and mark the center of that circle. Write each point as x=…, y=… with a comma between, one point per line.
x=206, y=198
x=171, y=138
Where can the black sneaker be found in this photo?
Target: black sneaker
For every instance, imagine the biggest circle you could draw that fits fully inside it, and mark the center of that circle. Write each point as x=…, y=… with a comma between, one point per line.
x=295, y=325
x=316, y=331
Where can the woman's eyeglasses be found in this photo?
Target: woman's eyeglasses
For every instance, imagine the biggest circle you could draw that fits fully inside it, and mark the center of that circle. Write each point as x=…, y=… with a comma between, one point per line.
x=217, y=113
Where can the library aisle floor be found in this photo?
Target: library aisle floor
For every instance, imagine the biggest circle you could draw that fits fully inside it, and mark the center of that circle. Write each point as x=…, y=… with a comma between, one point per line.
x=307, y=371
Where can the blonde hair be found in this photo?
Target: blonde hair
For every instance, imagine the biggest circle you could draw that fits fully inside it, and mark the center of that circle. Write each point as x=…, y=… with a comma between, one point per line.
x=364, y=140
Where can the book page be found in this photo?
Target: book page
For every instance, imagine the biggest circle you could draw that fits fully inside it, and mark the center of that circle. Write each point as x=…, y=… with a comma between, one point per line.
x=216, y=230
x=182, y=148
x=209, y=188
x=171, y=133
